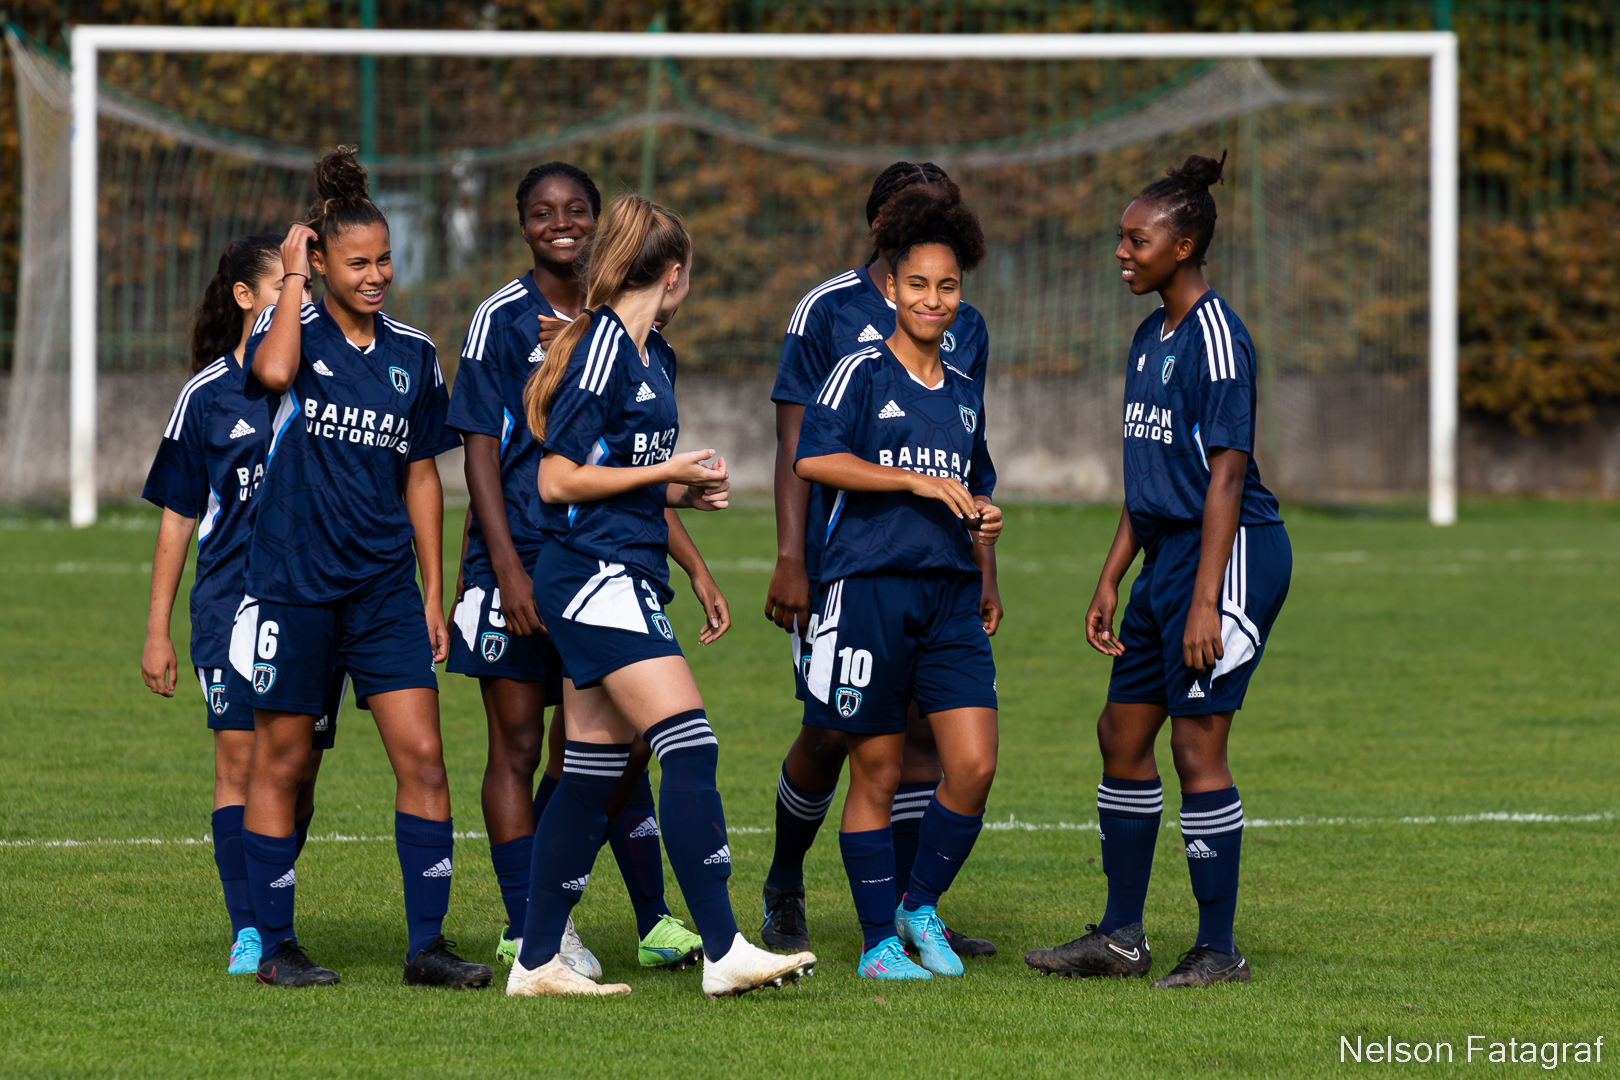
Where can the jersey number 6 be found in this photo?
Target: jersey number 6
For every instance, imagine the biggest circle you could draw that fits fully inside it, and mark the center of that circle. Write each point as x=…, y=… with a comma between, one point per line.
x=267, y=639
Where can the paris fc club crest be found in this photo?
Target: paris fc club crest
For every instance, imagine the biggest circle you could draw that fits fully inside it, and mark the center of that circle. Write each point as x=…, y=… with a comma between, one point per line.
x=493, y=646
x=264, y=677
x=216, y=699
x=401, y=379
x=848, y=702
x=1169, y=366
x=948, y=342
x=805, y=663
x=970, y=419
x=660, y=621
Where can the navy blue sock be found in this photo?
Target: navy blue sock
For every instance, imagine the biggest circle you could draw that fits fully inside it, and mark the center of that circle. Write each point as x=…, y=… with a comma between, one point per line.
x=695, y=824
x=272, y=882
x=1212, y=827
x=425, y=849
x=634, y=836
x=1128, y=813
x=301, y=833
x=799, y=814
x=566, y=840
x=542, y=795
x=943, y=844
x=869, y=862
x=227, y=831
x=511, y=861
x=910, y=802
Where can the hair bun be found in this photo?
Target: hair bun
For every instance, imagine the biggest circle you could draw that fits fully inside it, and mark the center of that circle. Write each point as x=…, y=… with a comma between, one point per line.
x=340, y=178
x=1200, y=171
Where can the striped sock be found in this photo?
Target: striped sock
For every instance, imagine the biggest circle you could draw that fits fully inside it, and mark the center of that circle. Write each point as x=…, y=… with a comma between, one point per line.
x=695, y=824
x=799, y=814
x=1212, y=828
x=1128, y=813
x=910, y=802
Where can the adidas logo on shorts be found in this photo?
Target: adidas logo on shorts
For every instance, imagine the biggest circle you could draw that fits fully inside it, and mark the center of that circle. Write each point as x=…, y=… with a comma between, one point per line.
x=578, y=884
x=287, y=880
x=321, y=368
x=1200, y=850
x=890, y=411
x=870, y=334
x=721, y=856
x=1195, y=692
x=645, y=393
x=438, y=869
x=648, y=827
x=242, y=428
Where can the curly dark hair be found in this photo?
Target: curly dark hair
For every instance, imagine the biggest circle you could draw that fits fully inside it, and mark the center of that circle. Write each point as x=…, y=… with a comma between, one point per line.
x=342, y=195
x=216, y=328
x=532, y=178
x=1184, y=197
x=897, y=178
x=930, y=215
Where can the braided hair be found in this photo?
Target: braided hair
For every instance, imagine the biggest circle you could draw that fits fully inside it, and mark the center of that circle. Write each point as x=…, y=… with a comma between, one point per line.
x=532, y=179
x=216, y=328
x=342, y=195
x=896, y=178
x=1184, y=197
x=927, y=215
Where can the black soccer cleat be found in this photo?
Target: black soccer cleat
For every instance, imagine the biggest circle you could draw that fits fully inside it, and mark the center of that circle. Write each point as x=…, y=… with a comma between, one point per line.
x=289, y=965
x=435, y=965
x=962, y=945
x=1204, y=966
x=1124, y=954
x=785, y=929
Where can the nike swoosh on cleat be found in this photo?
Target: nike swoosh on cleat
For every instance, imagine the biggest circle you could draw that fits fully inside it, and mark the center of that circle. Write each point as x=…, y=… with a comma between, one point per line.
x=1133, y=956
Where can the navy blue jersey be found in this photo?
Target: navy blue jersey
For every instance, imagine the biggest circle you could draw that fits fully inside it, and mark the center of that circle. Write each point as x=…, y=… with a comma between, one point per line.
x=836, y=318
x=1186, y=395
x=501, y=351
x=614, y=409
x=209, y=463
x=872, y=407
x=330, y=516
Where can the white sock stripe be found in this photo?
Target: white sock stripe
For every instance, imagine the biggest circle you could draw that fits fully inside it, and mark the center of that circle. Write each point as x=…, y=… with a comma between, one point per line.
x=694, y=732
x=668, y=748
x=1154, y=794
x=1205, y=815
x=1212, y=828
x=799, y=806
x=1117, y=800
x=1105, y=806
x=620, y=755
x=909, y=815
x=922, y=798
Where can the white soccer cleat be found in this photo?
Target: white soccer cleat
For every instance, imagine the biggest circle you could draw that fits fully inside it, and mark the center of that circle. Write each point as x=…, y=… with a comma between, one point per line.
x=555, y=978
x=746, y=968
x=576, y=955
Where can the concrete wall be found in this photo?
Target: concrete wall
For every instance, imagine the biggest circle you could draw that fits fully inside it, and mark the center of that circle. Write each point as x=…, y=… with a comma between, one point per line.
x=1342, y=438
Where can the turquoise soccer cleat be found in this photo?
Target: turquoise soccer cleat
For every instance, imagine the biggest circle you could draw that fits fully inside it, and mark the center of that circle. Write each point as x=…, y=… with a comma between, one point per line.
x=246, y=953
x=923, y=931
x=887, y=960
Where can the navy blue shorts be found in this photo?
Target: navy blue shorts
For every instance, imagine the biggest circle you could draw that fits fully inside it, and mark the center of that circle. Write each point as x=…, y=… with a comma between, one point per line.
x=883, y=640
x=283, y=656
x=221, y=717
x=602, y=616
x=483, y=647
x=801, y=644
x=1151, y=671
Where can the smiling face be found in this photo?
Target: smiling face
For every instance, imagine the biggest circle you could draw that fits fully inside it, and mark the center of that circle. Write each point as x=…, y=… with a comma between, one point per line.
x=1149, y=253
x=358, y=266
x=926, y=288
x=556, y=221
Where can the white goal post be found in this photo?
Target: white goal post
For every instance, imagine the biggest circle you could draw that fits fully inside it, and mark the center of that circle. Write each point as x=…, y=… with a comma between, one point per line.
x=1438, y=47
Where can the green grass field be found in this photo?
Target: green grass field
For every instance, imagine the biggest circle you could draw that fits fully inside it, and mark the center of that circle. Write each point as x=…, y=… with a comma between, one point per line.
x=1418, y=682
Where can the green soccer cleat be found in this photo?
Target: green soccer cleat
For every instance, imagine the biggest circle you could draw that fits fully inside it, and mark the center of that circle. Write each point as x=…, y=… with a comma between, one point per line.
x=506, y=949
x=669, y=944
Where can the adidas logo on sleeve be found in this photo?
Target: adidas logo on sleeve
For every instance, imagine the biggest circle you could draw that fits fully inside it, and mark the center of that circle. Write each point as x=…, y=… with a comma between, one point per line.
x=321, y=368
x=870, y=334
x=891, y=411
x=439, y=869
x=645, y=393
x=242, y=428
x=719, y=857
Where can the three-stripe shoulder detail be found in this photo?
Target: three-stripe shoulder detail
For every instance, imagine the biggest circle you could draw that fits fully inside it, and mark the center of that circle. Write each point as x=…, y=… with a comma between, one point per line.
x=407, y=330
x=605, y=338
x=478, y=332
x=832, y=391
x=801, y=314
x=177, y=418
x=1218, y=350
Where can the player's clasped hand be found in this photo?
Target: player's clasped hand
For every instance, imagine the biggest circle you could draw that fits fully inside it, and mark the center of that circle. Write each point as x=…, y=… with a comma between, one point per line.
x=1201, y=646
x=708, y=487
x=948, y=490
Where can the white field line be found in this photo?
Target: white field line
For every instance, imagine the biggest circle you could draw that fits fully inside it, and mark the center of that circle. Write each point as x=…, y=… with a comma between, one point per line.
x=1012, y=824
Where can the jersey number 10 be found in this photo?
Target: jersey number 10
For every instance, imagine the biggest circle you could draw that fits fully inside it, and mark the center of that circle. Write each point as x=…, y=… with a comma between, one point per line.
x=857, y=667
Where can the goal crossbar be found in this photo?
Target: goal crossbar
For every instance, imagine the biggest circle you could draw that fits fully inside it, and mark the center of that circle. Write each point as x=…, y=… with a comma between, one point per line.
x=1438, y=47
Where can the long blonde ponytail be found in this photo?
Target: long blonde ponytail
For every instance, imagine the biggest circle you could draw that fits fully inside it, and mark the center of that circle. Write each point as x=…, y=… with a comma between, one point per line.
x=634, y=245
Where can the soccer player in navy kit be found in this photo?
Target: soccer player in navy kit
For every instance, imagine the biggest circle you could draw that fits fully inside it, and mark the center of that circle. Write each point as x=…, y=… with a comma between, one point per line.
x=496, y=635
x=1215, y=571
x=896, y=437
x=603, y=407
x=208, y=465
x=350, y=489
x=838, y=317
